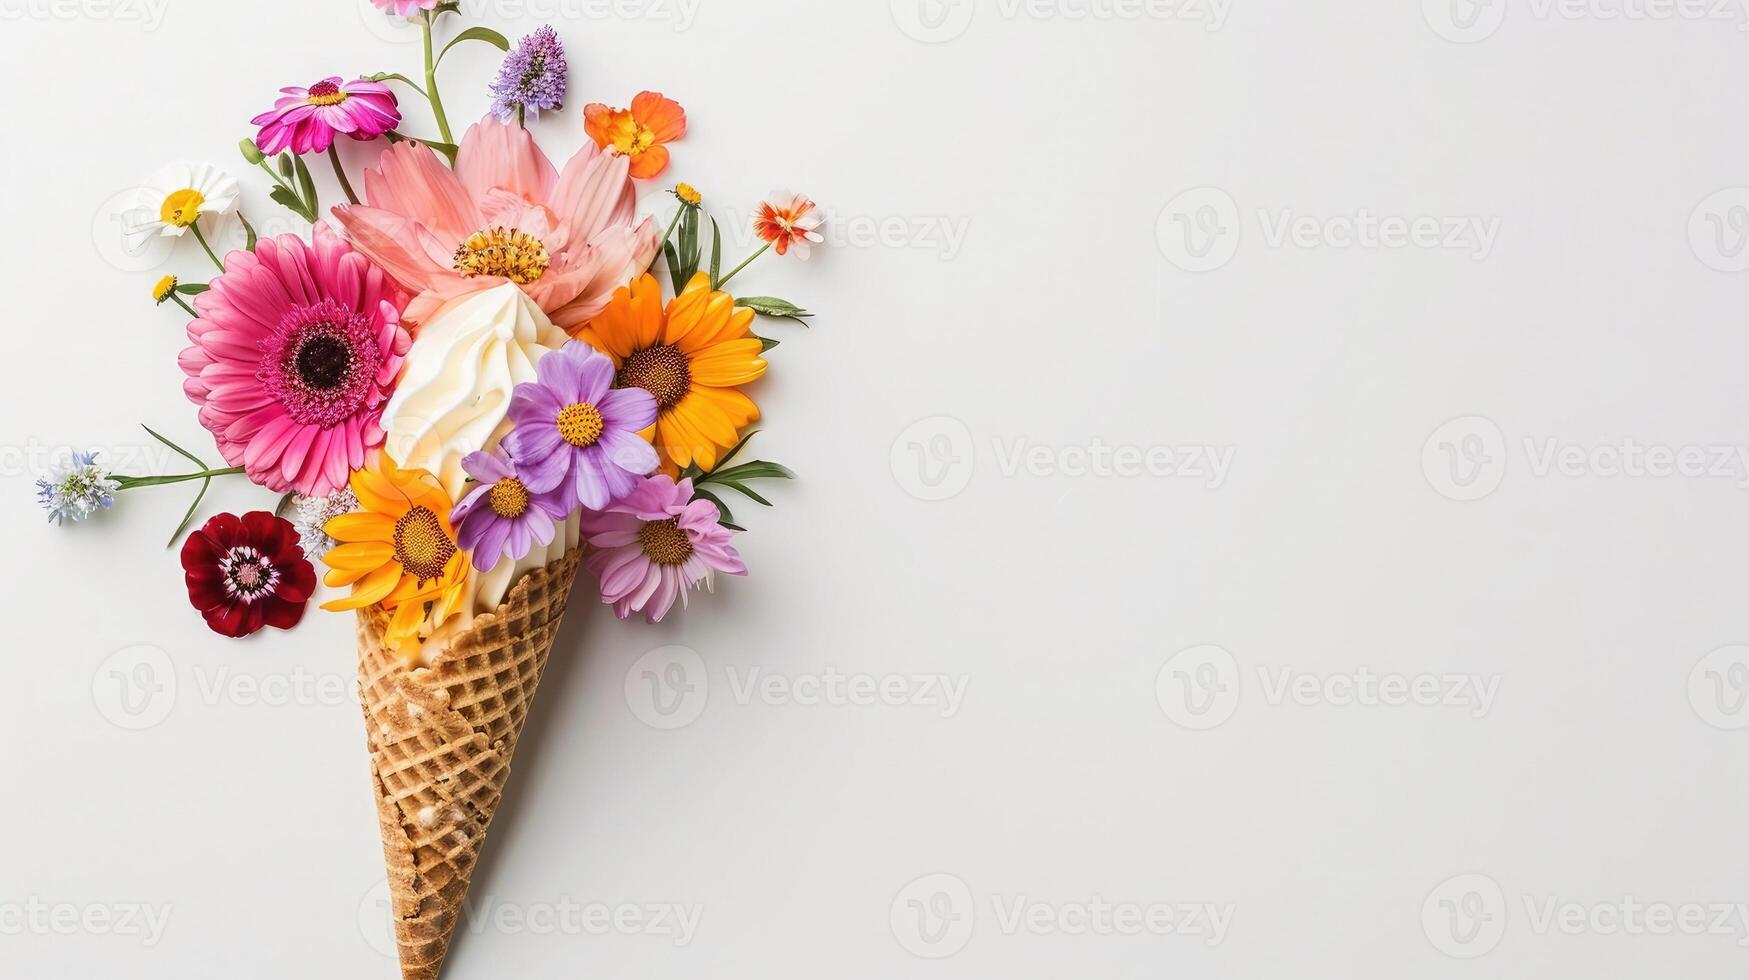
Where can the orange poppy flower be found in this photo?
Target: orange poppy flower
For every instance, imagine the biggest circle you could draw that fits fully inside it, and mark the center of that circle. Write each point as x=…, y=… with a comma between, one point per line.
x=638, y=132
x=398, y=550
x=691, y=356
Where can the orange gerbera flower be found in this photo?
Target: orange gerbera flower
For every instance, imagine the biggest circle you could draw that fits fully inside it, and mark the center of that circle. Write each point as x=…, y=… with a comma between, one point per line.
x=691, y=357
x=638, y=132
x=398, y=550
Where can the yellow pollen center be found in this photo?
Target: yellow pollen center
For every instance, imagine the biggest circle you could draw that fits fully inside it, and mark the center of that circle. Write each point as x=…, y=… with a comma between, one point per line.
x=515, y=255
x=580, y=424
x=508, y=497
x=326, y=98
x=664, y=542
x=633, y=140
x=165, y=287
x=181, y=208
x=688, y=193
x=421, y=546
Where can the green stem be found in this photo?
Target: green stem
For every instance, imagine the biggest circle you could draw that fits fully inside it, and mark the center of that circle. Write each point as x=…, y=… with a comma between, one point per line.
x=133, y=482
x=431, y=83
x=184, y=304
x=521, y=115
x=744, y=264
x=303, y=211
x=670, y=232
x=339, y=171
x=209, y=249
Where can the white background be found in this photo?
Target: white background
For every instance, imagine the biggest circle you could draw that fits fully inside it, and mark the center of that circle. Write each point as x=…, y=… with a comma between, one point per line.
x=1010, y=270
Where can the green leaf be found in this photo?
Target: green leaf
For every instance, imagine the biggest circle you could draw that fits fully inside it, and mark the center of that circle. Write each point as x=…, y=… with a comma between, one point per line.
x=723, y=460
x=766, y=343
x=756, y=470
x=285, y=166
x=673, y=267
x=248, y=246
x=308, y=184
x=188, y=518
x=716, y=254
x=486, y=34
x=282, y=196
x=389, y=76
x=773, y=307
x=744, y=489
x=192, y=288
x=185, y=454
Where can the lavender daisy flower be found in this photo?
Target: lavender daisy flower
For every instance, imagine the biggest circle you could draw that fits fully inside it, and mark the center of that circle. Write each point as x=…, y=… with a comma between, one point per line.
x=533, y=77
x=573, y=431
x=76, y=489
x=502, y=518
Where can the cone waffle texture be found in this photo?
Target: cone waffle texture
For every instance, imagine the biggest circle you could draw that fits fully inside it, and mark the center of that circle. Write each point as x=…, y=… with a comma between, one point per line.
x=441, y=740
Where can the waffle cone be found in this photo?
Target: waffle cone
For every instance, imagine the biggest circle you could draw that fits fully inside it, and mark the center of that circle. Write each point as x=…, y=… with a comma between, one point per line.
x=441, y=741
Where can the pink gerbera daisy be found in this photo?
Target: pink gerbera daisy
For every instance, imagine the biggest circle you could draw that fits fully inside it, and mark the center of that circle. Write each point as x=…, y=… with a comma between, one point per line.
x=295, y=352
x=503, y=215
x=305, y=120
x=654, y=545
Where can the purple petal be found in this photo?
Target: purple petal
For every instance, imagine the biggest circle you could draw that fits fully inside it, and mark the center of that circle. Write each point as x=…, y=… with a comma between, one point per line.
x=628, y=408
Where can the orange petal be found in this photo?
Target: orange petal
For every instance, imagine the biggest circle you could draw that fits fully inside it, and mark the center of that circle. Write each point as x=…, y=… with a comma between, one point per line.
x=664, y=117
x=598, y=122
x=650, y=163
x=735, y=362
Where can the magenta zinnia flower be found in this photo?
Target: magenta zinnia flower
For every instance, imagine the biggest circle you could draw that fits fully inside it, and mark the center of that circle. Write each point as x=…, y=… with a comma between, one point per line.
x=306, y=119
x=502, y=517
x=406, y=8
x=295, y=353
x=573, y=431
x=656, y=544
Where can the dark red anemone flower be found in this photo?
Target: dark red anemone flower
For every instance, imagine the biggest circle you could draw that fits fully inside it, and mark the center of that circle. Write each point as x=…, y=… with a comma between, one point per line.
x=248, y=572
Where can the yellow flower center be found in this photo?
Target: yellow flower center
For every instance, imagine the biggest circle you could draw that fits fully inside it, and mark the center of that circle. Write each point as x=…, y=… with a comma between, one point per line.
x=515, y=255
x=662, y=371
x=421, y=546
x=508, y=498
x=326, y=93
x=580, y=424
x=165, y=287
x=664, y=542
x=181, y=208
x=633, y=139
x=688, y=194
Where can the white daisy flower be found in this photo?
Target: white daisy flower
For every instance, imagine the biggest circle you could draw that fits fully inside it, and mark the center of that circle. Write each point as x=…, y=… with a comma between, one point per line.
x=174, y=199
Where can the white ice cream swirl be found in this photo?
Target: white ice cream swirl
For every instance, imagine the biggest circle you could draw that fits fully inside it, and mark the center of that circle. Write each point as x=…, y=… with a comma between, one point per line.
x=454, y=398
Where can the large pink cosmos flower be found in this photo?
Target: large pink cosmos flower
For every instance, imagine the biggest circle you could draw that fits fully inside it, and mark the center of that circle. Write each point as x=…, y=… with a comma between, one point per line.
x=652, y=546
x=295, y=353
x=503, y=215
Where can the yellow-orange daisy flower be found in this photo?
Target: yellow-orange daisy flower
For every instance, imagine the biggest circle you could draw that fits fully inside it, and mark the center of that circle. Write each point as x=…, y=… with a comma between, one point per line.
x=638, y=132
x=691, y=356
x=398, y=550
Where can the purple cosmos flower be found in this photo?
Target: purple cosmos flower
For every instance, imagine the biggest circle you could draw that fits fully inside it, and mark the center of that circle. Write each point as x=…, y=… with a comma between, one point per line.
x=654, y=545
x=533, y=76
x=305, y=120
x=573, y=431
x=502, y=518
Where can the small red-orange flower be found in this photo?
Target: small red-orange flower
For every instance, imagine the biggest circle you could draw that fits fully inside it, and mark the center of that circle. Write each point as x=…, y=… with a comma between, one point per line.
x=788, y=221
x=638, y=132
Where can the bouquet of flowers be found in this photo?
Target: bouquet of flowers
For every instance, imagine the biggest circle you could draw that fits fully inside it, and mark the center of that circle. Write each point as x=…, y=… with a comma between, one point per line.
x=480, y=376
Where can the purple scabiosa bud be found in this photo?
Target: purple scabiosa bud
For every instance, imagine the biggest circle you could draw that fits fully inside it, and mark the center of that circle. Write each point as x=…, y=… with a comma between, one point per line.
x=533, y=77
